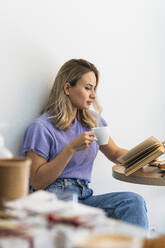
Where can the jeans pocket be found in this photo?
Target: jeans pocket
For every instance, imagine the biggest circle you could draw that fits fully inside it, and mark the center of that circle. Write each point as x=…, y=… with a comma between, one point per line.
x=55, y=187
x=58, y=185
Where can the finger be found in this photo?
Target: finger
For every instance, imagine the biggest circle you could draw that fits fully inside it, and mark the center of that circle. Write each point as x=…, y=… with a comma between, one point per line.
x=88, y=143
x=161, y=166
x=89, y=136
x=90, y=139
x=154, y=162
x=90, y=133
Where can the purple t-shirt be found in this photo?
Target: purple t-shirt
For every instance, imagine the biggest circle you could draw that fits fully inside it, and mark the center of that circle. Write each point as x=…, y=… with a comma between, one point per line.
x=46, y=140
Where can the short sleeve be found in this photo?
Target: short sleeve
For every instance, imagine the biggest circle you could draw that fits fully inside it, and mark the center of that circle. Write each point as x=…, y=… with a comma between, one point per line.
x=102, y=122
x=38, y=139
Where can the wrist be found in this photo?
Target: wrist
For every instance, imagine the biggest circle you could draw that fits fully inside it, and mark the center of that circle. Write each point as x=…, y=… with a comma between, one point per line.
x=70, y=148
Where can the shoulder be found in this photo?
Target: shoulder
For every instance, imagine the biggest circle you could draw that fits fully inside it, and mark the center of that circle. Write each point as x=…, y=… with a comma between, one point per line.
x=38, y=137
x=43, y=121
x=41, y=124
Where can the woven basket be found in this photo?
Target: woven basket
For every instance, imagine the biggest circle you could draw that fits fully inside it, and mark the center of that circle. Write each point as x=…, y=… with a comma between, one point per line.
x=14, y=178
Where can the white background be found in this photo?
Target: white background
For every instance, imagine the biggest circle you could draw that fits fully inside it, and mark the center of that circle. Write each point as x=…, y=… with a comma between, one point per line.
x=125, y=39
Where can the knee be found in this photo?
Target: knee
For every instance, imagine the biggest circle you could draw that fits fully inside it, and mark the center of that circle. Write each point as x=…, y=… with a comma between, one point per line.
x=136, y=200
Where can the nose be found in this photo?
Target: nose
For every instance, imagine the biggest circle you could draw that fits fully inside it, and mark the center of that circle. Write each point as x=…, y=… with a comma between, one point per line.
x=93, y=94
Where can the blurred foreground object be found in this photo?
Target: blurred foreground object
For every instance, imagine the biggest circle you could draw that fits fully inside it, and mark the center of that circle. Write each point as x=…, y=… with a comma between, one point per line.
x=157, y=242
x=14, y=178
x=111, y=240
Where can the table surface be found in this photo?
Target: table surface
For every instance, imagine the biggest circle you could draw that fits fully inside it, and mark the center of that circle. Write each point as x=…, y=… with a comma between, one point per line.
x=149, y=175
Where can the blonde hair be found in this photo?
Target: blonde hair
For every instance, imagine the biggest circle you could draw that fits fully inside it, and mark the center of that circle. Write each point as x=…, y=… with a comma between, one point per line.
x=59, y=104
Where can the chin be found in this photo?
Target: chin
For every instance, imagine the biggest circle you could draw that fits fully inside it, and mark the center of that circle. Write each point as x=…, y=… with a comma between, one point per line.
x=84, y=107
x=87, y=107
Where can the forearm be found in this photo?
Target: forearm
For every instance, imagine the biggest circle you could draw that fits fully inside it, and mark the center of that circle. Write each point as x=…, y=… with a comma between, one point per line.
x=112, y=151
x=118, y=153
x=48, y=172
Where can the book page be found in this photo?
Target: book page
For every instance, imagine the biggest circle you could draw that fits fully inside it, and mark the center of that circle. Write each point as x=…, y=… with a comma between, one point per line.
x=141, y=155
x=150, y=157
x=139, y=149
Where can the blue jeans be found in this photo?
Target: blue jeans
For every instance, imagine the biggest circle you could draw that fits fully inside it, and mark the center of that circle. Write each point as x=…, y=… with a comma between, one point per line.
x=126, y=206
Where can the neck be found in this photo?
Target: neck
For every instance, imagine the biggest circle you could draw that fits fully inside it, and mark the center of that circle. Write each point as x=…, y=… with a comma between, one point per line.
x=74, y=113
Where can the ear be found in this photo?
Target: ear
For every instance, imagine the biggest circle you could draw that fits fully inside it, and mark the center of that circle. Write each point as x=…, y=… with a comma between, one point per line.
x=66, y=88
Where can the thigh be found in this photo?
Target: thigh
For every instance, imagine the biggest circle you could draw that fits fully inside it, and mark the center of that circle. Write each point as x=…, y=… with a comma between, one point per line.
x=125, y=206
x=109, y=200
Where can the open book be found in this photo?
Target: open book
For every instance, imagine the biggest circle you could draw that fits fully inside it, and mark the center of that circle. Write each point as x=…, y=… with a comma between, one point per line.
x=141, y=155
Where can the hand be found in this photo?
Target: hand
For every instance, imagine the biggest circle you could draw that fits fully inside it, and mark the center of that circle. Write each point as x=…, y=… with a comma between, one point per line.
x=158, y=163
x=154, y=162
x=82, y=141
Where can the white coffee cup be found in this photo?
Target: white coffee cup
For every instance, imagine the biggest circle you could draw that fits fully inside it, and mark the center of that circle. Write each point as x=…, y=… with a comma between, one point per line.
x=101, y=135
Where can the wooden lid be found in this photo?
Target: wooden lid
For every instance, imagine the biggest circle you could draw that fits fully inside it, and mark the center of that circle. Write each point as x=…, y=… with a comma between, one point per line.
x=15, y=161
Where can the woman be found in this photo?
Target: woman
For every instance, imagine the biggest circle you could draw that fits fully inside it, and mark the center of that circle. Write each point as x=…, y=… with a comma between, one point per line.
x=62, y=147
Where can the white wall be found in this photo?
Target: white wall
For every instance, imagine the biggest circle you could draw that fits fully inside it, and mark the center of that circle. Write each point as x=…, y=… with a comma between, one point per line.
x=124, y=38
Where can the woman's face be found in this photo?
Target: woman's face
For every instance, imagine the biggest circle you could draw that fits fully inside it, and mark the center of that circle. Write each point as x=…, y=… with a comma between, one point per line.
x=83, y=93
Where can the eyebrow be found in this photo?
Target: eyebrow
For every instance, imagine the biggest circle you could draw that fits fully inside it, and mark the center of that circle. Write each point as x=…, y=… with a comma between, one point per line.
x=91, y=85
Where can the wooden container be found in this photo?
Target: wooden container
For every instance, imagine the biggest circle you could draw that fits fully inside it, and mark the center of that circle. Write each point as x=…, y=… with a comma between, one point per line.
x=14, y=178
x=109, y=240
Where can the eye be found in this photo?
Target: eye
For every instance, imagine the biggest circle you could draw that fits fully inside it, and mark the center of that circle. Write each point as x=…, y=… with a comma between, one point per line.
x=87, y=88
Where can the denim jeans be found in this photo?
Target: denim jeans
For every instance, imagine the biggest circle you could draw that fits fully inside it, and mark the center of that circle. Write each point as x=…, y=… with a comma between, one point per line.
x=125, y=206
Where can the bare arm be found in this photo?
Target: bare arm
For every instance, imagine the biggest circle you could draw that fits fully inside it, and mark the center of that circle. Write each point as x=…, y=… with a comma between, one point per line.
x=44, y=173
x=112, y=151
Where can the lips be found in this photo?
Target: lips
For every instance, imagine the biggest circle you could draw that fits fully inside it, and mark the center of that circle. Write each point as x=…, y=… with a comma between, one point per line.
x=89, y=102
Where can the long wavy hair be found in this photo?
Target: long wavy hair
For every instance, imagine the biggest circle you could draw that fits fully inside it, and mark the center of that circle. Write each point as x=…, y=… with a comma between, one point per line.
x=59, y=104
